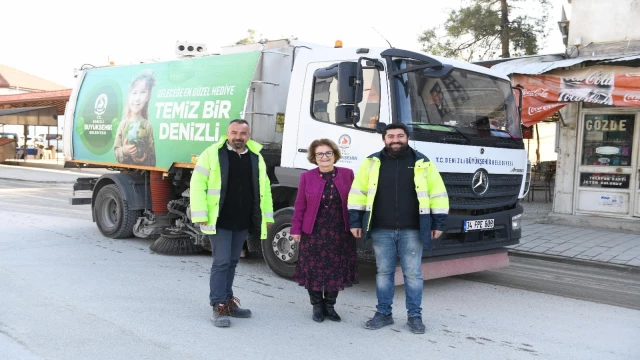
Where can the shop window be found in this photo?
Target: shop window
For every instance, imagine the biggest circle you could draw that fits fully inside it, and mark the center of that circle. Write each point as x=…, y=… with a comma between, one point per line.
x=608, y=140
x=325, y=99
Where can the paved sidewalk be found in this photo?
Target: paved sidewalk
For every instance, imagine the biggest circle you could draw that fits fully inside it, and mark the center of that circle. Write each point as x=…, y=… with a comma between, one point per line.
x=599, y=246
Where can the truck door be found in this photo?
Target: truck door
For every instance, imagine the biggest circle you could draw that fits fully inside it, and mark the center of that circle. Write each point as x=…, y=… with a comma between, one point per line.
x=319, y=113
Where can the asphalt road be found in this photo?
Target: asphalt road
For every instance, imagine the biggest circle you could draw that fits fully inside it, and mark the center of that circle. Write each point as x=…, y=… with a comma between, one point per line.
x=66, y=292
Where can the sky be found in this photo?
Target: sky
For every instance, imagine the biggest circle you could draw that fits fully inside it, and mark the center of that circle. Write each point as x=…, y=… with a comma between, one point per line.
x=49, y=38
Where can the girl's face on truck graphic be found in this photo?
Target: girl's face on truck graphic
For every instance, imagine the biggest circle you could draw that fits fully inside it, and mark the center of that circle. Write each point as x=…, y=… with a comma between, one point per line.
x=138, y=96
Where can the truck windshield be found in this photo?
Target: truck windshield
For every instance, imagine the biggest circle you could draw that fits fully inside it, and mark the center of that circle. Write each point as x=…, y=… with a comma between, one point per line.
x=471, y=104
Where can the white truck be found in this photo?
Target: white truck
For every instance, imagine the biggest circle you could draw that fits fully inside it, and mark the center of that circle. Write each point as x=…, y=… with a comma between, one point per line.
x=465, y=118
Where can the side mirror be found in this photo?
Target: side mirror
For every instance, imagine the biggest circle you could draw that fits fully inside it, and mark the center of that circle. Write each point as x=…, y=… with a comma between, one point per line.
x=380, y=127
x=345, y=114
x=349, y=73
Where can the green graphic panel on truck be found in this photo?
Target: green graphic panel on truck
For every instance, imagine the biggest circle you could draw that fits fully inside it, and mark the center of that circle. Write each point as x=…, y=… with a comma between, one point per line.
x=159, y=113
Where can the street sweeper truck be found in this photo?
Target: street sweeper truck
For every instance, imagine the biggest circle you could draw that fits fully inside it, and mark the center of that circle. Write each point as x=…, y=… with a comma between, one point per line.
x=149, y=122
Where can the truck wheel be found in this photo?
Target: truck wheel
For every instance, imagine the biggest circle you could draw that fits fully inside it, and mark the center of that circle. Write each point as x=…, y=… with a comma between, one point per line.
x=280, y=251
x=112, y=214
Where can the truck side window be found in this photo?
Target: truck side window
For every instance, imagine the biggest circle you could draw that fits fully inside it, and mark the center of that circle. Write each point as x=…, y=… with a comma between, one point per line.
x=325, y=99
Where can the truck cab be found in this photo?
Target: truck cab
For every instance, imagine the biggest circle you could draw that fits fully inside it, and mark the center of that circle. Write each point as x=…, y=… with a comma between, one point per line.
x=463, y=117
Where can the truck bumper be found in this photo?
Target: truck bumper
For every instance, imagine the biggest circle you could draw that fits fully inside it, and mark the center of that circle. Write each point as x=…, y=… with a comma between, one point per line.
x=456, y=240
x=452, y=265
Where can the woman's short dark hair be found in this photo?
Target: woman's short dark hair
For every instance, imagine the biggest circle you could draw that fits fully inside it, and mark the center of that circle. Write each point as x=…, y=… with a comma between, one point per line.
x=314, y=145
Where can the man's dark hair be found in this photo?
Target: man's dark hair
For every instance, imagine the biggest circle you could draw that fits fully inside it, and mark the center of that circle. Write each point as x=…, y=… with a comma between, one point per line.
x=395, y=126
x=240, y=121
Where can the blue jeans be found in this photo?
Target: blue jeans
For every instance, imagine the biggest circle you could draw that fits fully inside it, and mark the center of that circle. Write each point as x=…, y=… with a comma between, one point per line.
x=226, y=246
x=387, y=245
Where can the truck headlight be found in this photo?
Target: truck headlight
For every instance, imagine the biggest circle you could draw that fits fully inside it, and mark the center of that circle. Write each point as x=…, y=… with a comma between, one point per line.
x=516, y=222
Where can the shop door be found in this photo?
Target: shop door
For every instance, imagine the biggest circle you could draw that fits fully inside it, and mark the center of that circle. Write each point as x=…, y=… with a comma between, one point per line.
x=608, y=165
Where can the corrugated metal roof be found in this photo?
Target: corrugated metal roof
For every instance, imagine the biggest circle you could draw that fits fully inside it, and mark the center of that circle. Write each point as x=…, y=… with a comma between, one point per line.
x=534, y=66
x=626, y=58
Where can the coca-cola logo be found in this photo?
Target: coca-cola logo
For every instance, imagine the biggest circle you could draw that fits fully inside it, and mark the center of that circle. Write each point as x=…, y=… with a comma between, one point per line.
x=535, y=110
x=632, y=98
x=537, y=92
x=598, y=78
x=592, y=97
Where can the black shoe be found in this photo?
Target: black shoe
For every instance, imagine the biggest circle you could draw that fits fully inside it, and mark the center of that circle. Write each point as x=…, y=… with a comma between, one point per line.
x=379, y=321
x=221, y=315
x=415, y=325
x=235, y=310
x=318, y=305
x=329, y=301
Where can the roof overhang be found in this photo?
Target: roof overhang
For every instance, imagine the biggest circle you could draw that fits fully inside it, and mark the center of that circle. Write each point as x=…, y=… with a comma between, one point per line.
x=35, y=116
x=537, y=66
x=57, y=98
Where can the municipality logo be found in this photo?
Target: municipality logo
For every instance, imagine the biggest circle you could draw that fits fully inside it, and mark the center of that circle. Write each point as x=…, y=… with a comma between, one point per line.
x=344, y=141
x=101, y=104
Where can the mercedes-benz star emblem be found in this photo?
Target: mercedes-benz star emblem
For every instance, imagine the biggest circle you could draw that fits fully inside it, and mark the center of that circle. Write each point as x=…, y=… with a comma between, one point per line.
x=480, y=182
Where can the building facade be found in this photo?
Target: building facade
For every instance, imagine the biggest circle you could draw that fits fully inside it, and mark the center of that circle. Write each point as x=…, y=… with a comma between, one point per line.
x=595, y=86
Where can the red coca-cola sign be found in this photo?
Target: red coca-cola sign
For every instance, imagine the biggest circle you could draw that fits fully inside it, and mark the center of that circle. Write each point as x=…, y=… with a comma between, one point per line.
x=631, y=98
x=545, y=94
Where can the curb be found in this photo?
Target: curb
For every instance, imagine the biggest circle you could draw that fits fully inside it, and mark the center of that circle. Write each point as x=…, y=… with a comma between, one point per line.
x=580, y=262
x=30, y=165
x=39, y=181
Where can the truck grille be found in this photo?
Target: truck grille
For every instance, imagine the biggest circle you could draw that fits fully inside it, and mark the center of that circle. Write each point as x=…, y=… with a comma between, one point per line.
x=503, y=191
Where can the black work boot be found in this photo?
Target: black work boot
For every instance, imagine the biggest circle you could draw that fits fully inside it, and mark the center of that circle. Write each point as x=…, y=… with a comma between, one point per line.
x=318, y=305
x=379, y=321
x=221, y=315
x=235, y=310
x=415, y=325
x=329, y=301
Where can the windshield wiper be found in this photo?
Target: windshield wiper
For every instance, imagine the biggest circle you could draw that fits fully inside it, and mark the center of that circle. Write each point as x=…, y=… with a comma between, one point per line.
x=508, y=133
x=444, y=125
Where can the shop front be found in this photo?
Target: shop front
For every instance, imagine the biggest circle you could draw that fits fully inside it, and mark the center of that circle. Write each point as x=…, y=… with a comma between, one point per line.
x=598, y=172
x=607, y=179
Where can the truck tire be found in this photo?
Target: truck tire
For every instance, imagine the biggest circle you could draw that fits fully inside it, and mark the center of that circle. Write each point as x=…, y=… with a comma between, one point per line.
x=280, y=251
x=113, y=217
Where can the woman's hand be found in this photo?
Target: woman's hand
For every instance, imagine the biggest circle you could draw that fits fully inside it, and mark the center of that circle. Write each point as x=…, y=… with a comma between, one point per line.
x=296, y=237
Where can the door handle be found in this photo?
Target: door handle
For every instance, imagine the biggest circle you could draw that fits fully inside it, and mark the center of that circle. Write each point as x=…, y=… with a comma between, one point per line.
x=303, y=150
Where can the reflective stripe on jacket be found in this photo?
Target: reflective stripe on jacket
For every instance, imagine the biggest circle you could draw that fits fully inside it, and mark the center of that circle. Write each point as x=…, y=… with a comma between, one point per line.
x=433, y=200
x=207, y=184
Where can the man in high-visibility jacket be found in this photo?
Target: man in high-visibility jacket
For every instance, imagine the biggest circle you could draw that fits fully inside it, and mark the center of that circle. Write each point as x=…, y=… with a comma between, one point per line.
x=230, y=198
x=399, y=201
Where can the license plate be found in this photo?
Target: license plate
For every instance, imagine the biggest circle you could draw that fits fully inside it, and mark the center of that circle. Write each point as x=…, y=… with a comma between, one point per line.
x=478, y=225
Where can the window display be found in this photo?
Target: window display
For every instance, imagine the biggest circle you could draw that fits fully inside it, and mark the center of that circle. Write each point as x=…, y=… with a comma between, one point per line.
x=608, y=140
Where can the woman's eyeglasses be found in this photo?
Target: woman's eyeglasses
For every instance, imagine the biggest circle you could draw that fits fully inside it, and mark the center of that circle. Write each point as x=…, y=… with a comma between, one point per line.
x=320, y=155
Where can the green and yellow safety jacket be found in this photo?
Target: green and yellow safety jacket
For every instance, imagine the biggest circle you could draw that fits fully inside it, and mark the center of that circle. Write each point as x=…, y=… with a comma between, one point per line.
x=209, y=182
x=433, y=200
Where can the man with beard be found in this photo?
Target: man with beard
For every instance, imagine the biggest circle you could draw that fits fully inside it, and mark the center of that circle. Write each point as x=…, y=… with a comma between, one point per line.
x=230, y=197
x=399, y=201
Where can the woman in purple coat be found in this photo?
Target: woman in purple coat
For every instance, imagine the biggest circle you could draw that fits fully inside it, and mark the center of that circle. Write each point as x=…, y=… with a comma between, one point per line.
x=327, y=261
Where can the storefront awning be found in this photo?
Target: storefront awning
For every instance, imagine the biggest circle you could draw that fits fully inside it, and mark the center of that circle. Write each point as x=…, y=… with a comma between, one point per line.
x=544, y=94
x=549, y=84
x=35, y=116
